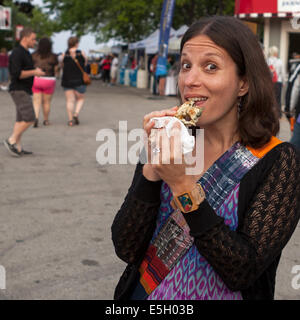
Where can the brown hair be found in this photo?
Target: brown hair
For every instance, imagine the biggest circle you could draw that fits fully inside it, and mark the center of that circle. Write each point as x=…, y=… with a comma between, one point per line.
x=258, y=117
x=44, y=48
x=26, y=32
x=72, y=41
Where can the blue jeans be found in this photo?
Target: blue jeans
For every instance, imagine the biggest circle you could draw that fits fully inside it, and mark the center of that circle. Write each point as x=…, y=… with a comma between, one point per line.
x=296, y=135
x=3, y=74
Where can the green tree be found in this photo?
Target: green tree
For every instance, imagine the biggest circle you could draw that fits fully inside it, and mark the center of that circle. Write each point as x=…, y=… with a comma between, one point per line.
x=128, y=20
x=38, y=20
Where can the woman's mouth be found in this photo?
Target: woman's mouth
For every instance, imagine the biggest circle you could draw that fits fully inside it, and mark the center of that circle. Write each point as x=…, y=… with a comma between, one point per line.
x=199, y=101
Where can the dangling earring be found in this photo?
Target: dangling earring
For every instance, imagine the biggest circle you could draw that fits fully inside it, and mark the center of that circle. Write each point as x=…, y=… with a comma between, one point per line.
x=240, y=105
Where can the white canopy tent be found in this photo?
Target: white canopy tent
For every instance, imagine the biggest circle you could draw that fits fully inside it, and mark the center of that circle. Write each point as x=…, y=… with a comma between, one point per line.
x=108, y=47
x=174, y=43
x=150, y=44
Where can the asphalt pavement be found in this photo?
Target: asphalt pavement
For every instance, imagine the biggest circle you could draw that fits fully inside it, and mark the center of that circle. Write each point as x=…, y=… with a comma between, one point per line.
x=57, y=206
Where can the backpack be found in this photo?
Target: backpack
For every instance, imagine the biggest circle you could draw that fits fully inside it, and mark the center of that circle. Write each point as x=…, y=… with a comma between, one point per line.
x=273, y=73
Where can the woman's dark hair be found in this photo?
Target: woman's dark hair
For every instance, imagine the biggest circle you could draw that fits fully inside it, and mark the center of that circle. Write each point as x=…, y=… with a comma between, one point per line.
x=44, y=48
x=259, y=116
x=72, y=41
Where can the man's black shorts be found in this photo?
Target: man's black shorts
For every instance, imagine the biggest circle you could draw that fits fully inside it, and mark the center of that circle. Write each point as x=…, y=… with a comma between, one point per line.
x=24, y=106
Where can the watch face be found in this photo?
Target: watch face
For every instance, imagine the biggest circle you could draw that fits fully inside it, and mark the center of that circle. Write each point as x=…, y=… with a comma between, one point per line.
x=185, y=201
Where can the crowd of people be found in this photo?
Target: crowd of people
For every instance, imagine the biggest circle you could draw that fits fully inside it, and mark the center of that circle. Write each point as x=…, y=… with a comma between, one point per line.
x=33, y=81
x=42, y=82
x=104, y=68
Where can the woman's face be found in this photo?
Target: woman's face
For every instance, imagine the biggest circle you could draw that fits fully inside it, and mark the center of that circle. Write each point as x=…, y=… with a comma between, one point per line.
x=209, y=73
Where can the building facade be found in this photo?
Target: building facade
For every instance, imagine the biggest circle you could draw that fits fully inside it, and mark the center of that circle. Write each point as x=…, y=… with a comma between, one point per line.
x=276, y=22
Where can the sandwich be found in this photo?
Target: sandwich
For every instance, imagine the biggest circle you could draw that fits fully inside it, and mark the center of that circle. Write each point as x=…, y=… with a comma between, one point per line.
x=188, y=113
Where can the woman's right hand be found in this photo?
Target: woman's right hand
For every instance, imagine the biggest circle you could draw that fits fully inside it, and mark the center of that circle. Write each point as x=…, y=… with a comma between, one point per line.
x=148, y=171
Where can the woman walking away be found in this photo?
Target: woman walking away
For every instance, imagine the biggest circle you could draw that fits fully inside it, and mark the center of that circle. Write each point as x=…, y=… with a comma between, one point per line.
x=72, y=80
x=216, y=234
x=44, y=87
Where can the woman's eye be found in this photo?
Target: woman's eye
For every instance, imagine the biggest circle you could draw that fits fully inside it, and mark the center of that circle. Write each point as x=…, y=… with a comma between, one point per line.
x=185, y=65
x=211, y=67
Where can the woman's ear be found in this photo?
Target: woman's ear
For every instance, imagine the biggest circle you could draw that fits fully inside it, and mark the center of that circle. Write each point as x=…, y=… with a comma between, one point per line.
x=244, y=87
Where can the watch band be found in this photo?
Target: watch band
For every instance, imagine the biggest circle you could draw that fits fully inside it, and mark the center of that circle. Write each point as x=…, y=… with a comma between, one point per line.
x=189, y=200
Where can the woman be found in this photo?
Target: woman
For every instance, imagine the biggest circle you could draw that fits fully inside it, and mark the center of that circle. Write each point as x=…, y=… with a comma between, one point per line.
x=72, y=80
x=242, y=210
x=44, y=87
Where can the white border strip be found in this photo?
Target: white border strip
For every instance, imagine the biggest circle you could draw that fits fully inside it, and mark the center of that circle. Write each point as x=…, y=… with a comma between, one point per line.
x=267, y=15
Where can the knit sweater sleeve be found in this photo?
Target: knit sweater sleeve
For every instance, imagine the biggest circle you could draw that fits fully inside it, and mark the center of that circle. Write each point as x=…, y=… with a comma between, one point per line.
x=135, y=222
x=270, y=217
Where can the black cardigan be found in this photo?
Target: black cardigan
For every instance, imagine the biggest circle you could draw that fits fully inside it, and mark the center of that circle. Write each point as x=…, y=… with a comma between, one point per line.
x=246, y=259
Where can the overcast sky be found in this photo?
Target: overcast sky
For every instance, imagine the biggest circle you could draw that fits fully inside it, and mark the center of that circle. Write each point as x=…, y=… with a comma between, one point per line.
x=60, y=39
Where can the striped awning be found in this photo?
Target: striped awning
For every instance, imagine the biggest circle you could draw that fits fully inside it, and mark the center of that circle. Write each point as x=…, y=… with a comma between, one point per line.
x=267, y=8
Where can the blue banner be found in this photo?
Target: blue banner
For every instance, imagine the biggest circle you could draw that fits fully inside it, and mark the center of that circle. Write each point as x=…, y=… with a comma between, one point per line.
x=165, y=27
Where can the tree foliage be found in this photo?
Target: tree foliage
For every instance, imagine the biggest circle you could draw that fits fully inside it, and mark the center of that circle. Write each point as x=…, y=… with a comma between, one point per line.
x=38, y=20
x=128, y=20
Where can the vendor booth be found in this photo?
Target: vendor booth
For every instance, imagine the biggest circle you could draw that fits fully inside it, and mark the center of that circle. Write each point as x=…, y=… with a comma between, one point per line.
x=145, y=49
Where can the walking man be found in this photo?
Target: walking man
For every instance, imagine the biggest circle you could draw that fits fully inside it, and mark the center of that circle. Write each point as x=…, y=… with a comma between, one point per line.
x=22, y=72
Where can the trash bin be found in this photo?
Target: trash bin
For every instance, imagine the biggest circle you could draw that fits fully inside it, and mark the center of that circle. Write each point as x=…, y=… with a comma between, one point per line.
x=133, y=77
x=122, y=76
x=142, y=79
x=126, y=78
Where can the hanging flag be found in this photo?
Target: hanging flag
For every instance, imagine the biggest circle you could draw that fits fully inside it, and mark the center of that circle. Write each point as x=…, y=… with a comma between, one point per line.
x=165, y=27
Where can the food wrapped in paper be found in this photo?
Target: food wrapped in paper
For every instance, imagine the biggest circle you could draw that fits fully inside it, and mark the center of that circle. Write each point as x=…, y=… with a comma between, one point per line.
x=188, y=114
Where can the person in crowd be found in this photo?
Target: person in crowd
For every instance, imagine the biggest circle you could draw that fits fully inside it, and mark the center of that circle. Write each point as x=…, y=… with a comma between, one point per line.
x=277, y=71
x=155, y=80
x=72, y=80
x=292, y=85
x=22, y=71
x=4, y=59
x=114, y=68
x=219, y=233
x=44, y=87
x=105, y=66
x=295, y=109
x=162, y=78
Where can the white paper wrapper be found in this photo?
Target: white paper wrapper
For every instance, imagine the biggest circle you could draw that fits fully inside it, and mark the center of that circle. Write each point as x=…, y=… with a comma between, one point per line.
x=187, y=141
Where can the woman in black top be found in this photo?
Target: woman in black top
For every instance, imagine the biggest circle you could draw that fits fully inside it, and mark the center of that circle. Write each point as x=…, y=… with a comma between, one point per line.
x=219, y=233
x=72, y=80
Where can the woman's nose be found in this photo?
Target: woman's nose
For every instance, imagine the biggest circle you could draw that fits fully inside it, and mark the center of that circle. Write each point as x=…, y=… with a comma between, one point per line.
x=193, y=78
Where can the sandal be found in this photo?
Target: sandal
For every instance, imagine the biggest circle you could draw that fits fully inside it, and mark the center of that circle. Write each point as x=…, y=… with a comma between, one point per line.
x=76, y=120
x=71, y=123
x=36, y=123
x=46, y=123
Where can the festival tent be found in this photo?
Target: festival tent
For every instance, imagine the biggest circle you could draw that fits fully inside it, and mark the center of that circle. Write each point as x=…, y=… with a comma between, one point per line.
x=112, y=45
x=150, y=44
x=174, y=42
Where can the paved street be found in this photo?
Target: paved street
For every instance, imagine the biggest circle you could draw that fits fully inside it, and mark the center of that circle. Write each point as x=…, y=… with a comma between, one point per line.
x=57, y=206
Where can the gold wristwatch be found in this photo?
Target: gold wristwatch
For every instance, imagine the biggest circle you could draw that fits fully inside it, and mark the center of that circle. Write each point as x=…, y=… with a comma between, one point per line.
x=189, y=200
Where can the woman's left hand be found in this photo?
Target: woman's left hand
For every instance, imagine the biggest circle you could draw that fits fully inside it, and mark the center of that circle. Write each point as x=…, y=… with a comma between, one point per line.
x=170, y=164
